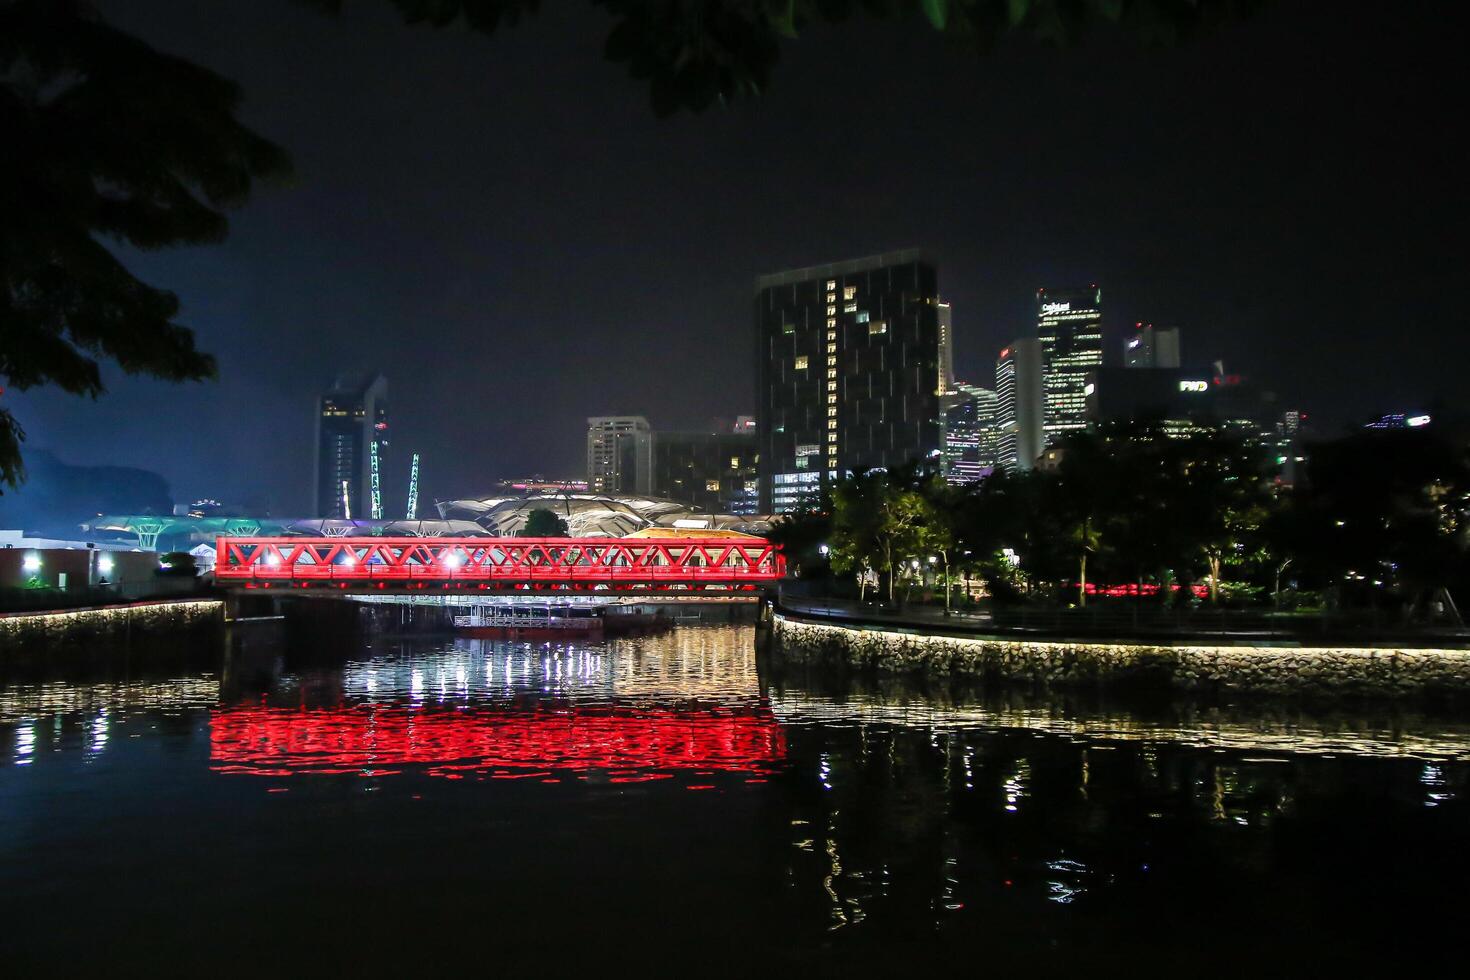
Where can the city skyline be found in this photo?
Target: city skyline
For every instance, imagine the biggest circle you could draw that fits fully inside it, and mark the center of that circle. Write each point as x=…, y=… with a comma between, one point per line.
x=433, y=262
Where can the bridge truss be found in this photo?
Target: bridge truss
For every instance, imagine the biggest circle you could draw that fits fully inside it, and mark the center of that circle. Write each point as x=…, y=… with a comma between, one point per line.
x=412, y=565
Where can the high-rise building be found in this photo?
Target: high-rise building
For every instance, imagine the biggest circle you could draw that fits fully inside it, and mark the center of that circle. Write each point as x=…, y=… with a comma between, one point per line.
x=710, y=471
x=969, y=433
x=1019, y=405
x=946, y=346
x=1069, y=326
x=619, y=454
x=1151, y=347
x=848, y=372
x=351, y=440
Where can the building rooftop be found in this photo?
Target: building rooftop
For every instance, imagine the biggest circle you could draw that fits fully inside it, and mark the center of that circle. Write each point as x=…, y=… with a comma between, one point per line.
x=832, y=269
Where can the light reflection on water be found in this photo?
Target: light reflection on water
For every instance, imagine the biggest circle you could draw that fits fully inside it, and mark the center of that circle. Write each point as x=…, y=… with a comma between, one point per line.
x=838, y=811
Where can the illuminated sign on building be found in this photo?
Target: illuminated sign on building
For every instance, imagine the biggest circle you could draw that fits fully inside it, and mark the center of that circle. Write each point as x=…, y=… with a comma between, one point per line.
x=1194, y=386
x=1056, y=307
x=1414, y=421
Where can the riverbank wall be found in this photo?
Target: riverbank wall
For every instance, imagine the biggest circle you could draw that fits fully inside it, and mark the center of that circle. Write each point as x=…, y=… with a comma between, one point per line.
x=1193, y=666
x=27, y=635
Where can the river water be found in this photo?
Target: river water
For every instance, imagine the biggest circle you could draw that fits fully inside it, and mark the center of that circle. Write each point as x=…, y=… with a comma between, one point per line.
x=670, y=804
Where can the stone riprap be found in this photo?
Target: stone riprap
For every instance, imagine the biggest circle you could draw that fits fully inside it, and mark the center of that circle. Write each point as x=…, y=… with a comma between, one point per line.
x=1276, y=669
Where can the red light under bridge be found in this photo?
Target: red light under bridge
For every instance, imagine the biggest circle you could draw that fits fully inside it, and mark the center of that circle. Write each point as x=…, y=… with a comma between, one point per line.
x=357, y=564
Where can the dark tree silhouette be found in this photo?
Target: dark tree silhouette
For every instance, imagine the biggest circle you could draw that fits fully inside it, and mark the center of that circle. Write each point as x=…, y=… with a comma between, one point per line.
x=104, y=139
x=542, y=523
x=695, y=53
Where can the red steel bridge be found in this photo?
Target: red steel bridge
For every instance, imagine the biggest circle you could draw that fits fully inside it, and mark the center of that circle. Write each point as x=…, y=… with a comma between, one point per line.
x=440, y=565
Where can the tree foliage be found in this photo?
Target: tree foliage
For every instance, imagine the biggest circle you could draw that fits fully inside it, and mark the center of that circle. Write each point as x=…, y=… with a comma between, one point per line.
x=105, y=140
x=1382, y=519
x=542, y=523
x=696, y=53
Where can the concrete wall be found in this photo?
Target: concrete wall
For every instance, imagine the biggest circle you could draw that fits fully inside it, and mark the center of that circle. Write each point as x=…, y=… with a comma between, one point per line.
x=58, y=633
x=1334, y=671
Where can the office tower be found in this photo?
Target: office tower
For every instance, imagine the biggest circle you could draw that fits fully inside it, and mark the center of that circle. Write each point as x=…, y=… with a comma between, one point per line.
x=946, y=347
x=713, y=472
x=848, y=362
x=1150, y=347
x=351, y=440
x=969, y=433
x=1069, y=326
x=1020, y=406
x=1180, y=402
x=619, y=454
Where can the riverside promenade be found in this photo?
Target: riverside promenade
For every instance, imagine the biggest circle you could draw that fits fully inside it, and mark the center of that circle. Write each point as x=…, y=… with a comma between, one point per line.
x=1212, y=652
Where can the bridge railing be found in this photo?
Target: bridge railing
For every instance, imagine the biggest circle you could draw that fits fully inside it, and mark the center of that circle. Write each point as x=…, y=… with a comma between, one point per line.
x=496, y=560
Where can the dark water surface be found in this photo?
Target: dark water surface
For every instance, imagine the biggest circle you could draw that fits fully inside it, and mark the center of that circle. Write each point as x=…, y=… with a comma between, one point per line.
x=662, y=805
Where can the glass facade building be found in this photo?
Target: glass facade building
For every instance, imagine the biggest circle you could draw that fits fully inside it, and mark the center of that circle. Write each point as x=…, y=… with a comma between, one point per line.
x=970, y=415
x=711, y=472
x=848, y=364
x=1069, y=327
x=351, y=442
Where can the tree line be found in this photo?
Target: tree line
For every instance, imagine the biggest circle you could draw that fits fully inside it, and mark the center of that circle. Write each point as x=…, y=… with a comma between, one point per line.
x=1375, y=519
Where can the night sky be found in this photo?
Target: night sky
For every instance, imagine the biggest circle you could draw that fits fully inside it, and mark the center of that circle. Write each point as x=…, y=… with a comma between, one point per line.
x=505, y=228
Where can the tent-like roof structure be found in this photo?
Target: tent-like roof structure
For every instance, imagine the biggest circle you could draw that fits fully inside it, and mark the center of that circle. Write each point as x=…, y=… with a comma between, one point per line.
x=593, y=515
x=588, y=515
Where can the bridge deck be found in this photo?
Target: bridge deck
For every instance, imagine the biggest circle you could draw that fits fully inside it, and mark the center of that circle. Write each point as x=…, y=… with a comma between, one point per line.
x=499, y=564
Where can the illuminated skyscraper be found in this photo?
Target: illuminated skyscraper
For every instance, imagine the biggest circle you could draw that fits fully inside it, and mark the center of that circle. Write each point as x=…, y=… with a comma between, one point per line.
x=1069, y=327
x=946, y=346
x=1151, y=347
x=1019, y=405
x=848, y=366
x=969, y=433
x=351, y=440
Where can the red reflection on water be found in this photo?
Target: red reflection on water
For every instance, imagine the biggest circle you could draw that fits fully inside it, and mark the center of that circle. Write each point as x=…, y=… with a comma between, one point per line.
x=625, y=745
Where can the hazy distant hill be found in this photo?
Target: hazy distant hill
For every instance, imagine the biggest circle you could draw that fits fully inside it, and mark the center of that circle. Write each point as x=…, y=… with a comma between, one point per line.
x=57, y=497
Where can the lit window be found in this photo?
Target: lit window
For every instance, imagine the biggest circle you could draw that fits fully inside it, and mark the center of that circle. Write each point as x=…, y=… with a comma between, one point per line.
x=832, y=410
x=862, y=317
x=831, y=284
x=831, y=373
x=801, y=462
x=849, y=292
x=877, y=327
x=850, y=308
x=831, y=348
x=832, y=362
x=734, y=462
x=831, y=311
x=831, y=437
x=831, y=386
x=831, y=323
x=832, y=399
x=831, y=334
x=831, y=423
x=713, y=485
x=801, y=362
